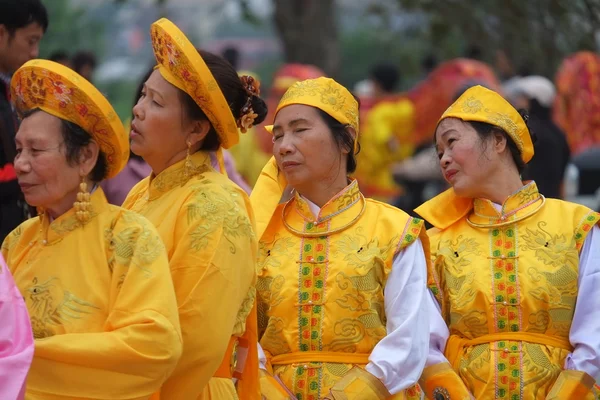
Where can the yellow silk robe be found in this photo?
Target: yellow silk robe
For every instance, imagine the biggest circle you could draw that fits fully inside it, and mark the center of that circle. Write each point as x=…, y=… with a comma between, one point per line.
x=507, y=292
x=101, y=303
x=206, y=223
x=322, y=298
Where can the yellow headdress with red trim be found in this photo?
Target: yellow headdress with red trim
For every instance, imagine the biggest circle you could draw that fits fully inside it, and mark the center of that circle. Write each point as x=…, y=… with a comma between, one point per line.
x=62, y=92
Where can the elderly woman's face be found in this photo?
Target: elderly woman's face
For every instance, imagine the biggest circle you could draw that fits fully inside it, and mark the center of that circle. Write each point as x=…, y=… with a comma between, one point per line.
x=44, y=175
x=465, y=163
x=304, y=147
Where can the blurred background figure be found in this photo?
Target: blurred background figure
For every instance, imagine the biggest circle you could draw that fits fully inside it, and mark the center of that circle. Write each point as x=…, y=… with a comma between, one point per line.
x=84, y=63
x=547, y=167
x=61, y=57
x=22, y=26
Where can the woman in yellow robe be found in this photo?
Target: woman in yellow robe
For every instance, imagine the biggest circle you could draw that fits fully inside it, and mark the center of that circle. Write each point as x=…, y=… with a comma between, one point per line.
x=191, y=105
x=515, y=274
x=342, y=279
x=95, y=277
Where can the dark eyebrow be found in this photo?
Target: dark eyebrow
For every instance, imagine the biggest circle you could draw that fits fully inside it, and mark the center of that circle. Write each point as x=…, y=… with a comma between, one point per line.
x=153, y=91
x=291, y=123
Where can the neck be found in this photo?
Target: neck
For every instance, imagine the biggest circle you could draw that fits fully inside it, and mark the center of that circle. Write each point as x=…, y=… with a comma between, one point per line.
x=499, y=187
x=321, y=192
x=160, y=164
x=66, y=203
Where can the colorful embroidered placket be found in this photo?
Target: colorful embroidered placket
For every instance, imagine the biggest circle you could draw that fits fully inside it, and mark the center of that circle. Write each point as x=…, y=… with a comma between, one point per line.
x=507, y=312
x=312, y=276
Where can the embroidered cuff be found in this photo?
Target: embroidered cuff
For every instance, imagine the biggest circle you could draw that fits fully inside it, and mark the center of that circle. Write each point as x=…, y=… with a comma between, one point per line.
x=358, y=384
x=572, y=385
x=441, y=382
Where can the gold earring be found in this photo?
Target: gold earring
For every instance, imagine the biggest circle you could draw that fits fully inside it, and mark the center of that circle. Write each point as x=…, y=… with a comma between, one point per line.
x=82, y=205
x=188, y=165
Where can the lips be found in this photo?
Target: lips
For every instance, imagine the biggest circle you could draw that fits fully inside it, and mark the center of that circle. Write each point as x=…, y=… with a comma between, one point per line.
x=451, y=173
x=134, y=131
x=289, y=164
x=25, y=186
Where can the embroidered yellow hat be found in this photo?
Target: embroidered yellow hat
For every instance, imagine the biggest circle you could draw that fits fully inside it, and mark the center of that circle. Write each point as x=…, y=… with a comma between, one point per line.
x=65, y=94
x=484, y=105
x=324, y=94
x=182, y=66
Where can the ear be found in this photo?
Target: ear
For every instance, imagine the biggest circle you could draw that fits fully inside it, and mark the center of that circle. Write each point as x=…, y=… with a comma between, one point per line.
x=352, y=132
x=499, y=141
x=198, y=133
x=88, y=156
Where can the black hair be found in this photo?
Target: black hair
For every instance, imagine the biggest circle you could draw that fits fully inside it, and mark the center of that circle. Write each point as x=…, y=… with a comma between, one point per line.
x=17, y=14
x=386, y=75
x=75, y=139
x=58, y=56
x=486, y=131
x=83, y=58
x=343, y=138
x=232, y=55
x=235, y=94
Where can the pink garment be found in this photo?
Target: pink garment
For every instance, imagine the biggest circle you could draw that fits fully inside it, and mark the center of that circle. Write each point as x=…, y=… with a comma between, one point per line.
x=16, y=338
x=116, y=189
x=232, y=172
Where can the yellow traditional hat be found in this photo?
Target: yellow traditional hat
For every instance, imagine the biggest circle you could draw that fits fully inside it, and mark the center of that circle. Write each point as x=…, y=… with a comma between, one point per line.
x=182, y=66
x=483, y=105
x=324, y=94
x=65, y=94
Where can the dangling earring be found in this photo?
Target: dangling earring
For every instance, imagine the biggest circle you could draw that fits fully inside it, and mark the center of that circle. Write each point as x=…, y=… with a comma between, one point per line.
x=188, y=165
x=82, y=205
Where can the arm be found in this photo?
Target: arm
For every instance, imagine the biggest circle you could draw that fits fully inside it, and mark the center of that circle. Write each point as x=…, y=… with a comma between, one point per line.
x=16, y=339
x=397, y=360
x=140, y=343
x=270, y=387
x=213, y=267
x=439, y=376
x=583, y=365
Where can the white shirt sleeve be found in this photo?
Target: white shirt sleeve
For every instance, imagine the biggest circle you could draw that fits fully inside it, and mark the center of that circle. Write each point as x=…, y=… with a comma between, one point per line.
x=438, y=333
x=399, y=358
x=262, y=358
x=585, y=328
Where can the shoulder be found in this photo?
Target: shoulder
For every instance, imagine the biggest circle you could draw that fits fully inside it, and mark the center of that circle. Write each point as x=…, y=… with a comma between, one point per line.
x=386, y=212
x=217, y=190
x=139, y=188
x=24, y=232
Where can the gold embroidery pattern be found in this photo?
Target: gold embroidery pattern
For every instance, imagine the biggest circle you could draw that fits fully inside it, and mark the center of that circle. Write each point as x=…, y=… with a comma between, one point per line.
x=51, y=306
x=136, y=245
x=213, y=209
x=244, y=311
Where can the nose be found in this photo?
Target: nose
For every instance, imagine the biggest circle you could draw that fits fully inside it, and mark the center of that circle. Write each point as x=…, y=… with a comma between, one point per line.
x=445, y=160
x=138, y=110
x=285, y=145
x=35, y=51
x=22, y=164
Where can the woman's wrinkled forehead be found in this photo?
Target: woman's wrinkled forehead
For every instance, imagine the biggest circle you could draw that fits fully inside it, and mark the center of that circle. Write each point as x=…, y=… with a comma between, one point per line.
x=448, y=125
x=295, y=113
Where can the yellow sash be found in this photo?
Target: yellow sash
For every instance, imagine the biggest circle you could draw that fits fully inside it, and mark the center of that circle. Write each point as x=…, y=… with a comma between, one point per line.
x=320, y=356
x=456, y=344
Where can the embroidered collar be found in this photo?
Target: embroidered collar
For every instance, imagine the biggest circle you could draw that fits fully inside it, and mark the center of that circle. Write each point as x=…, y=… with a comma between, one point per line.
x=338, y=214
x=345, y=199
x=524, y=202
x=178, y=174
x=53, y=231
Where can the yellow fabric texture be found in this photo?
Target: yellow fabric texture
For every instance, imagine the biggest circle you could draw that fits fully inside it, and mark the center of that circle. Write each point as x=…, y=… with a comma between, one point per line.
x=101, y=330
x=65, y=94
x=206, y=223
x=483, y=105
x=573, y=385
x=353, y=262
x=324, y=94
x=181, y=65
x=385, y=139
x=508, y=291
